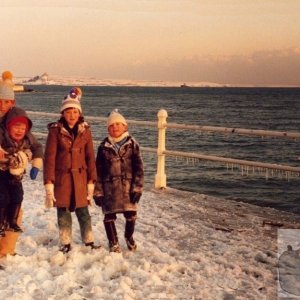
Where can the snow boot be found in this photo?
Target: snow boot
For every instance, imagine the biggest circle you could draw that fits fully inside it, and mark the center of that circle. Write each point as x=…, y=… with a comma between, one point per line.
x=129, y=229
x=92, y=245
x=2, y=221
x=13, y=213
x=111, y=233
x=65, y=248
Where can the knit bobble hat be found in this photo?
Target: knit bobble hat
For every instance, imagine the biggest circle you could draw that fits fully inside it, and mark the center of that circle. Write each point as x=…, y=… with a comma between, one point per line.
x=6, y=91
x=72, y=100
x=115, y=117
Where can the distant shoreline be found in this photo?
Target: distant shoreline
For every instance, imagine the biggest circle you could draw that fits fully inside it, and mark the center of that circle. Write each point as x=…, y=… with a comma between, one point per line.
x=77, y=81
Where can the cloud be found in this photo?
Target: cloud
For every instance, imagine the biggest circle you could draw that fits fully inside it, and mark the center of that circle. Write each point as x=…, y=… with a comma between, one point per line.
x=277, y=67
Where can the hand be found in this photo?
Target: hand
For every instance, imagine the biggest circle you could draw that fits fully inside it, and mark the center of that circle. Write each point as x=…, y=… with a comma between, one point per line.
x=49, y=199
x=33, y=173
x=99, y=200
x=2, y=154
x=135, y=197
x=90, y=192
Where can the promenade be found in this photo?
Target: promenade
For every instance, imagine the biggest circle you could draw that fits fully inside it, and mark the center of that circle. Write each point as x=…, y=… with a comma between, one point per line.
x=190, y=246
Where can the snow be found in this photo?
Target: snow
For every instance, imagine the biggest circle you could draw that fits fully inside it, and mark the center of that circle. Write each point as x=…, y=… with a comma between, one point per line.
x=91, y=81
x=190, y=246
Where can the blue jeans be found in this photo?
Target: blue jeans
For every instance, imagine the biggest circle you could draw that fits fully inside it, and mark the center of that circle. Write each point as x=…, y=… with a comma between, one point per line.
x=64, y=221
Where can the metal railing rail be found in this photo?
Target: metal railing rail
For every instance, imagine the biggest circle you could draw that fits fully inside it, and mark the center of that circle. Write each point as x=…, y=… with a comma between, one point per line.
x=162, y=152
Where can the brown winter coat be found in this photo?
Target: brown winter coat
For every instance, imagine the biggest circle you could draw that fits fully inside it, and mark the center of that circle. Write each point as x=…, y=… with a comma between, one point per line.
x=119, y=174
x=69, y=163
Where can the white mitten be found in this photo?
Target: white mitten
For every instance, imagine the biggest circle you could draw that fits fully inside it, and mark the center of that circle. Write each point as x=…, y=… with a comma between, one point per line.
x=49, y=199
x=90, y=193
x=18, y=163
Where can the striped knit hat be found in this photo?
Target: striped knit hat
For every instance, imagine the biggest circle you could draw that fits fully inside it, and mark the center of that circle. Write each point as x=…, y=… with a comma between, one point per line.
x=72, y=100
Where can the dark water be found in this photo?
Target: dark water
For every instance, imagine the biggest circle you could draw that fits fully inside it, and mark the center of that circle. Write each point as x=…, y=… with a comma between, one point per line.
x=252, y=108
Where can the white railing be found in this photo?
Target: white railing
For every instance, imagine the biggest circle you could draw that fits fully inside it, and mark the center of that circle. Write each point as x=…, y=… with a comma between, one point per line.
x=162, y=152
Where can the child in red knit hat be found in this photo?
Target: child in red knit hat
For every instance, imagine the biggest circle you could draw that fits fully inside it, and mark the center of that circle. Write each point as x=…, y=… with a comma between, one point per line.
x=17, y=145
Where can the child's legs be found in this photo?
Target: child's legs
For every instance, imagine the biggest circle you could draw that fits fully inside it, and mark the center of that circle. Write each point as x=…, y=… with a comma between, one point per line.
x=4, y=189
x=110, y=229
x=4, y=198
x=110, y=217
x=130, y=217
x=85, y=224
x=64, y=221
x=16, y=194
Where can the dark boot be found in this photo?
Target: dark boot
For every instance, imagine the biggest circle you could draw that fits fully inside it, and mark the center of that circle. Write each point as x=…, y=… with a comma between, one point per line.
x=2, y=221
x=65, y=248
x=92, y=245
x=112, y=236
x=13, y=213
x=129, y=230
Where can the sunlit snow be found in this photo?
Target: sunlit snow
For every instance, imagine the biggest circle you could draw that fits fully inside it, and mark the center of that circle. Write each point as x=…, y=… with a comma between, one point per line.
x=190, y=246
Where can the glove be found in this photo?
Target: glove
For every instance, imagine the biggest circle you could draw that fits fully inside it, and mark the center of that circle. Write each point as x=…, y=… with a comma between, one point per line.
x=33, y=173
x=2, y=154
x=50, y=199
x=18, y=163
x=90, y=192
x=135, y=197
x=99, y=200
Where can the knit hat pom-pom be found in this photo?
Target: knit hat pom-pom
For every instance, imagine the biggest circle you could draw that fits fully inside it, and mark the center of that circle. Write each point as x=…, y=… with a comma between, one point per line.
x=72, y=100
x=7, y=75
x=76, y=92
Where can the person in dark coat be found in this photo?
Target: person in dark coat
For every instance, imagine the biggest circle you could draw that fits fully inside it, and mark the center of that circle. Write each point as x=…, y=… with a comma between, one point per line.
x=70, y=171
x=120, y=174
x=19, y=148
x=8, y=108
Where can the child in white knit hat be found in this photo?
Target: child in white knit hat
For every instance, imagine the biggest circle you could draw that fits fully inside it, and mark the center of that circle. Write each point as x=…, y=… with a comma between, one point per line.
x=120, y=180
x=70, y=171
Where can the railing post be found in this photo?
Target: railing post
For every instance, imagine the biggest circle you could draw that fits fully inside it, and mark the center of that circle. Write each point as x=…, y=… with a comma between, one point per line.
x=160, y=177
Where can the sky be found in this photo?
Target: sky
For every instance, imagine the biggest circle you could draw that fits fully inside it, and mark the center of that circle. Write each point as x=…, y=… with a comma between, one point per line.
x=224, y=41
x=190, y=246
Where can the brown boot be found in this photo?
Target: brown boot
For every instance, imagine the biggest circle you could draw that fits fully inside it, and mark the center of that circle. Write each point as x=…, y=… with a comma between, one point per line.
x=111, y=233
x=129, y=230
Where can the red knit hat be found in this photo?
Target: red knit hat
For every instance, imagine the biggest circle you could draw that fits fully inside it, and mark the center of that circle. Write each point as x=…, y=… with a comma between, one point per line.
x=18, y=119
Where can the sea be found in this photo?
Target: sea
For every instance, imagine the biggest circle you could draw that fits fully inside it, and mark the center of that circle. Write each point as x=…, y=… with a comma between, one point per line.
x=250, y=108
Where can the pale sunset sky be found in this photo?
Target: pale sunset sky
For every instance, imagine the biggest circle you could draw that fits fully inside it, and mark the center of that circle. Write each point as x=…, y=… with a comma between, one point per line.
x=253, y=42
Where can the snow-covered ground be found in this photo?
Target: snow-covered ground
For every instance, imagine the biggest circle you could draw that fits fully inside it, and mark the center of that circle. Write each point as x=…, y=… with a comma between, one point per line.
x=190, y=246
x=91, y=81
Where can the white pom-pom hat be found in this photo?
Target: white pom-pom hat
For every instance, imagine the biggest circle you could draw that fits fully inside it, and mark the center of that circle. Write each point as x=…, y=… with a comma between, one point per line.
x=72, y=100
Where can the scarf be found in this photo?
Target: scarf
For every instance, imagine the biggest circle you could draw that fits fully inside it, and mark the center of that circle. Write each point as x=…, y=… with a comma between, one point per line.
x=119, y=141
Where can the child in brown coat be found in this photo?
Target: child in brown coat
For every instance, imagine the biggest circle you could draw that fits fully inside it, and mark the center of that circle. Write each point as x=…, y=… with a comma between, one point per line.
x=70, y=171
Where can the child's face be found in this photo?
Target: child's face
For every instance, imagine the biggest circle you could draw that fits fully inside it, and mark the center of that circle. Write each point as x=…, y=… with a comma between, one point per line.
x=117, y=129
x=5, y=106
x=72, y=116
x=17, y=131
